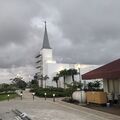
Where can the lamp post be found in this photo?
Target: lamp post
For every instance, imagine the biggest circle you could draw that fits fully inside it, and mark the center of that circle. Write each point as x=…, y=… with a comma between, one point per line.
x=79, y=76
x=53, y=97
x=80, y=80
x=21, y=95
x=8, y=97
x=33, y=95
x=29, y=77
x=45, y=95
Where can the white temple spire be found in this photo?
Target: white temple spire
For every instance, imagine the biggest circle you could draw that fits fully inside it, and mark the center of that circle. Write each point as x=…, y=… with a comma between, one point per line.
x=46, y=44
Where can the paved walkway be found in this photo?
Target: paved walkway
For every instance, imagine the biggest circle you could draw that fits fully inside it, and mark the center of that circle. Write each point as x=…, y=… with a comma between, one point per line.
x=39, y=109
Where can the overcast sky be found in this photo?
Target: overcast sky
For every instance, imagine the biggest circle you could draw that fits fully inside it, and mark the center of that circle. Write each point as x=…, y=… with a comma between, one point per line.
x=80, y=31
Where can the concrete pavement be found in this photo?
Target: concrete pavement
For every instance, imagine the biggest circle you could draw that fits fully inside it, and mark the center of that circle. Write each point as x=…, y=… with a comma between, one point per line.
x=39, y=109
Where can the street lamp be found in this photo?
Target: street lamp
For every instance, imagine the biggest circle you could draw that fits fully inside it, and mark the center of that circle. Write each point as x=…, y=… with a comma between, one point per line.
x=33, y=95
x=80, y=80
x=8, y=96
x=29, y=77
x=45, y=95
x=21, y=95
x=53, y=97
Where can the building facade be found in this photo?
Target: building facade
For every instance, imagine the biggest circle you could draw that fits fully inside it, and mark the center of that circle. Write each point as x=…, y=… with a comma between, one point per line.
x=47, y=66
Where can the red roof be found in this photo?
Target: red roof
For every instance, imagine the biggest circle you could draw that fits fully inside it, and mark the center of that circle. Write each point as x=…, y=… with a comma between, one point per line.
x=108, y=71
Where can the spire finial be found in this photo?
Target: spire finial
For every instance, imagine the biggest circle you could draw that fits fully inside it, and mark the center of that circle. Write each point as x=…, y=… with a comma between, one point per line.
x=45, y=23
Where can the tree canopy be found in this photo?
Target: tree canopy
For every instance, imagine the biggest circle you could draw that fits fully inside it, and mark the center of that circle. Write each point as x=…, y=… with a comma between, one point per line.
x=19, y=82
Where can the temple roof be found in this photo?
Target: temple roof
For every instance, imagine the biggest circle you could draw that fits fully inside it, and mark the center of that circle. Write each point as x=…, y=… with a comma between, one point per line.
x=46, y=44
x=108, y=71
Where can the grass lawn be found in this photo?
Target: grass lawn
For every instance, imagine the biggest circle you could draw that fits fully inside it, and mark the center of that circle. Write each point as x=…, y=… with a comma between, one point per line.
x=5, y=96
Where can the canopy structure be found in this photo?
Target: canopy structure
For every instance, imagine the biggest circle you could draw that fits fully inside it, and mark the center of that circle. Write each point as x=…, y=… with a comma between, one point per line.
x=108, y=71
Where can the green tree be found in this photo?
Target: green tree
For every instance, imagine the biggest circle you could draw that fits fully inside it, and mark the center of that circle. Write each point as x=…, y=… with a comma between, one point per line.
x=97, y=84
x=33, y=83
x=72, y=72
x=19, y=83
x=76, y=85
x=73, y=87
x=4, y=87
x=41, y=78
x=45, y=78
x=56, y=79
x=63, y=73
x=90, y=85
x=36, y=76
x=94, y=85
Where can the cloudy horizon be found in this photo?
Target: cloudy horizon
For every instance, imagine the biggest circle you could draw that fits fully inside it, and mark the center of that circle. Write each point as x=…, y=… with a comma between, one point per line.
x=80, y=31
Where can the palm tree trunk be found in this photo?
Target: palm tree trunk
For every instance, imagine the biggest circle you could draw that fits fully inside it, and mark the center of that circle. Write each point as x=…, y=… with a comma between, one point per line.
x=73, y=78
x=64, y=81
x=45, y=83
x=57, y=84
x=42, y=83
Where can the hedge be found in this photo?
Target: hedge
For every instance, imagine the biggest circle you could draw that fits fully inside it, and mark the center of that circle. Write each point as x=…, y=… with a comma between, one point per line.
x=59, y=92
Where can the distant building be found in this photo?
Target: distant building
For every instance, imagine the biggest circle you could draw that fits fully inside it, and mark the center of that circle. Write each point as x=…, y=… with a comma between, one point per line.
x=46, y=65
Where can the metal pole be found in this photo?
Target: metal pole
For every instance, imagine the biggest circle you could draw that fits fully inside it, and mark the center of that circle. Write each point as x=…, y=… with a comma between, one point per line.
x=8, y=97
x=53, y=97
x=79, y=75
x=33, y=97
x=21, y=96
x=45, y=95
x=80, y=83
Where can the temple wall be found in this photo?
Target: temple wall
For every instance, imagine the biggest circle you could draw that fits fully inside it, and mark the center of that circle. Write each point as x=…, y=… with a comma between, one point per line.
x=53, y=68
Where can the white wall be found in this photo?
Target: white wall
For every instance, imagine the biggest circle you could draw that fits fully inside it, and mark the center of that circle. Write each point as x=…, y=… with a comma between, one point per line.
x=53, y=68
x=50, y=68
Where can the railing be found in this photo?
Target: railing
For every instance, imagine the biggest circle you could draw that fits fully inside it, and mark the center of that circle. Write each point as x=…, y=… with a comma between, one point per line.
x=38, y=61
x=23, y=116
x=38, y=56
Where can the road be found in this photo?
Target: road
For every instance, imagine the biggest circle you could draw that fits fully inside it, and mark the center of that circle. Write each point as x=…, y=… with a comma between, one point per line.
x=39, y=109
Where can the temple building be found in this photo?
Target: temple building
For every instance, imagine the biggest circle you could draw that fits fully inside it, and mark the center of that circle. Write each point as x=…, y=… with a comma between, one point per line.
x=47, y=66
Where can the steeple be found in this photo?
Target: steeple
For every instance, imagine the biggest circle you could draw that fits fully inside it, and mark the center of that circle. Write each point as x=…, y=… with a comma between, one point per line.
x=46, y=44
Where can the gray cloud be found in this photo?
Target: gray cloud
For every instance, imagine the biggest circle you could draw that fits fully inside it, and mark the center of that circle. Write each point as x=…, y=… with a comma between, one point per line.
x=93, y=29
x=80, y=31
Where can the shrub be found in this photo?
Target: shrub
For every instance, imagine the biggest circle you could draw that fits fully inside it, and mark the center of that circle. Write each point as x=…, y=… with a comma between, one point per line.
x=94, y=85
x=7, y=88
x=59, y=92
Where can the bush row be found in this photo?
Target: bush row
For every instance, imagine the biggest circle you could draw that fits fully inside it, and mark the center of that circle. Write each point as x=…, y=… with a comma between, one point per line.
x=59, y=92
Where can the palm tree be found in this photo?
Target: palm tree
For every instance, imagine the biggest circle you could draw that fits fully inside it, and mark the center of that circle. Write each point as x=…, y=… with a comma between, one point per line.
x=45, y=78
x=41, y=78
x=63, y=73
x=56, y=79
x=72, y=72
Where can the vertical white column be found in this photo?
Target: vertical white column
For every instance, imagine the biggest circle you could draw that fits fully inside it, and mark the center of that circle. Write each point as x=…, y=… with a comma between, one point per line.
x=119, y=86
x=105, y=85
